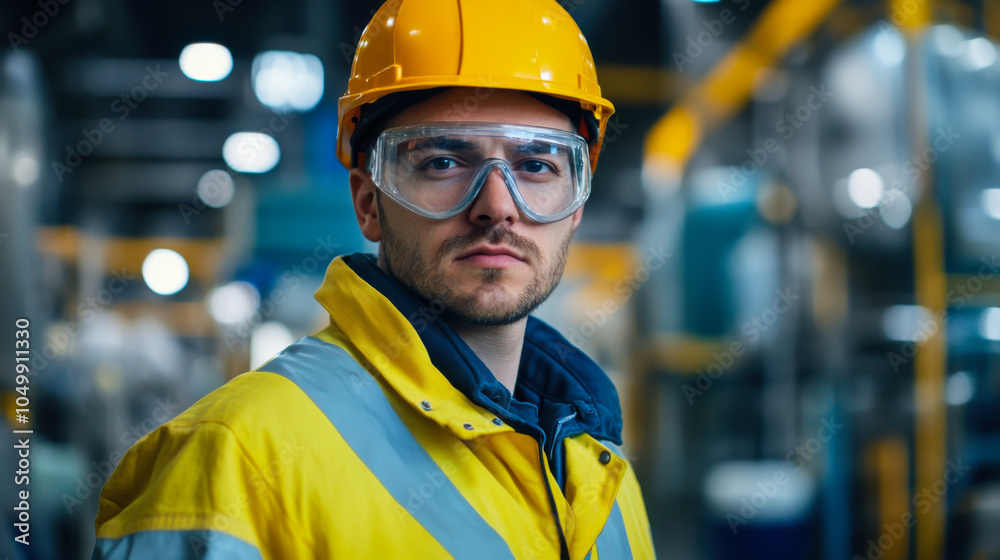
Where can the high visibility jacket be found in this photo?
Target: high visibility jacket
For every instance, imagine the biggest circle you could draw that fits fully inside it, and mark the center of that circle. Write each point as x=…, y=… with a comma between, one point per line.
x=384, y=436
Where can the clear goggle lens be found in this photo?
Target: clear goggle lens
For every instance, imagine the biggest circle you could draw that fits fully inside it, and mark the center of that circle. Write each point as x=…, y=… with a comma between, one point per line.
x=437, y=170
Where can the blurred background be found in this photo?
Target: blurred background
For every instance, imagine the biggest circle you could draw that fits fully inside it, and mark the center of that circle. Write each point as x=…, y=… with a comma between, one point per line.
x=790, y=264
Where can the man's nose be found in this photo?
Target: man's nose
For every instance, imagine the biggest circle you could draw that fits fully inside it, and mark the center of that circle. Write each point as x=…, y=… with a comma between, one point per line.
x=494, y=203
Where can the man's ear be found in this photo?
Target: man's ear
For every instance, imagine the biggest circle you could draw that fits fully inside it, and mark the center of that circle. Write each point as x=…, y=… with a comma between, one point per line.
x=577, y=216
x=365, y=205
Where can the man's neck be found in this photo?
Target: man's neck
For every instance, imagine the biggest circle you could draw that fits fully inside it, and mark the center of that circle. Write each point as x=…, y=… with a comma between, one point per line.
x=498, y=347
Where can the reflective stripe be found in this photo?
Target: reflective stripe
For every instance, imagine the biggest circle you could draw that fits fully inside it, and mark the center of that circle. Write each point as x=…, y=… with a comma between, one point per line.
x=612, y=543
x=175, y=545
x=354, y=403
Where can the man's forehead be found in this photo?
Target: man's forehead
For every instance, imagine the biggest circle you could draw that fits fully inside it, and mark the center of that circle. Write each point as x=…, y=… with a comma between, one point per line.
x=488, y=105
x=459, y=143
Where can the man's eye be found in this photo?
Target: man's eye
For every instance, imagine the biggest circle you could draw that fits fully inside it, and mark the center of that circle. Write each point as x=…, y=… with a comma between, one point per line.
x=535, y=166
x=441, y=163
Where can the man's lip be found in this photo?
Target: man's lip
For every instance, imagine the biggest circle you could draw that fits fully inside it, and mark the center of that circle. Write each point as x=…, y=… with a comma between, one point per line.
x=487, y=250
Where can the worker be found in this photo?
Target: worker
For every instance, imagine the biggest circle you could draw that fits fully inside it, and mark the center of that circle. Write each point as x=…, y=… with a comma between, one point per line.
x=433, y=417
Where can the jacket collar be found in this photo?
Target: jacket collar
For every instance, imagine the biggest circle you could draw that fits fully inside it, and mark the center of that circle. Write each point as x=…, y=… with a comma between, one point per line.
x=560, y=392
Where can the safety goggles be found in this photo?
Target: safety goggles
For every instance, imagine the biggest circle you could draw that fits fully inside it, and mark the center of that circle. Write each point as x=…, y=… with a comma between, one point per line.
x=437, y=169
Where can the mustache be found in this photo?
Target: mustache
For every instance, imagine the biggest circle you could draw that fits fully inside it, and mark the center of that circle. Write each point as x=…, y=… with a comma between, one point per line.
x=492, y=236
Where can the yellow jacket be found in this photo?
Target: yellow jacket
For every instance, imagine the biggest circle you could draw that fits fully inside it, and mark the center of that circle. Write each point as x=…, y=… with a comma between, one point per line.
x=383, y=436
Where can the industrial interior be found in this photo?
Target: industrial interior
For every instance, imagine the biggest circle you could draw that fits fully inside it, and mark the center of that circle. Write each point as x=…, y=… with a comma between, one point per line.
x=789, y=264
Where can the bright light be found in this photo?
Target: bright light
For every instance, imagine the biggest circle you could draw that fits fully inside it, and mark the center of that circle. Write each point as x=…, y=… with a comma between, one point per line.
x=989, y=323
x=251, y=152
x=266, y=340
x=991, y=203
x=728, y=485
x=948, y=40
x=865, y=187
x=890, y=48
x=960, y=388
x=287, y=81
x=206, y=62
x=842, y=201
x=216, y=188
x=897, y=212
x=165, y=271
x=24, y=169
x=908, y=323
x=979, y=53
x=233, y=303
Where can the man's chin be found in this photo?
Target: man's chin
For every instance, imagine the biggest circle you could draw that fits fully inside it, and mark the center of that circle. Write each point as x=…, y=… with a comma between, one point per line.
x=490, y=305
x=483, y=317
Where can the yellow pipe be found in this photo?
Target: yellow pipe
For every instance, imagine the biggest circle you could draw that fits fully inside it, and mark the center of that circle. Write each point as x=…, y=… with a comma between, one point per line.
x=727, y=87
x=203, y=255
x=929, y=376
x=930, y=363
x=892, y=475
x=912, y=16
x=991, y=18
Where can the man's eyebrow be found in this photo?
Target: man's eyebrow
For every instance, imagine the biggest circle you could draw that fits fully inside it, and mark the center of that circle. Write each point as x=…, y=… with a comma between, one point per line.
x=534, y=148
x=442, y=143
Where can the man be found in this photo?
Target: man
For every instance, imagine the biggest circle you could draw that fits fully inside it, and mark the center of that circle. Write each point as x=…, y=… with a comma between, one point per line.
x=433, y=418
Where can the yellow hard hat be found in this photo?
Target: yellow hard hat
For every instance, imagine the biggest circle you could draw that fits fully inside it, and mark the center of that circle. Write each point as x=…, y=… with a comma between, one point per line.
x=418, y=45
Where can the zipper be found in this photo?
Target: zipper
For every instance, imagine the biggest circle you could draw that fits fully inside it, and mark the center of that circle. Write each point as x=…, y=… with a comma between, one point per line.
x=564, y=548
x=557, y=458
x=557, y=467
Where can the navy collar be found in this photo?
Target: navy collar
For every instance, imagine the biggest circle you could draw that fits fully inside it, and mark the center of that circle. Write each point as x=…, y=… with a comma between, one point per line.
x=560, y=392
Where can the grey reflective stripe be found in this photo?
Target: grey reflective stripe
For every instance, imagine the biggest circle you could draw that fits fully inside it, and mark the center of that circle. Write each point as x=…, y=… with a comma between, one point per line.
x=612, y=543
x=175, y=545
x=355, y=404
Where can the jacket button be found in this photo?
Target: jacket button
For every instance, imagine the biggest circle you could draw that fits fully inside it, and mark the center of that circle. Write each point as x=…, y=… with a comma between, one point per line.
x=467, y=426
x=498, y=421
x=605, y=457
x=425, y=405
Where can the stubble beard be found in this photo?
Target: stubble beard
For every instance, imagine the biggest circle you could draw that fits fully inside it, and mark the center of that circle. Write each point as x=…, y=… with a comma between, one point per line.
x=490, y=303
